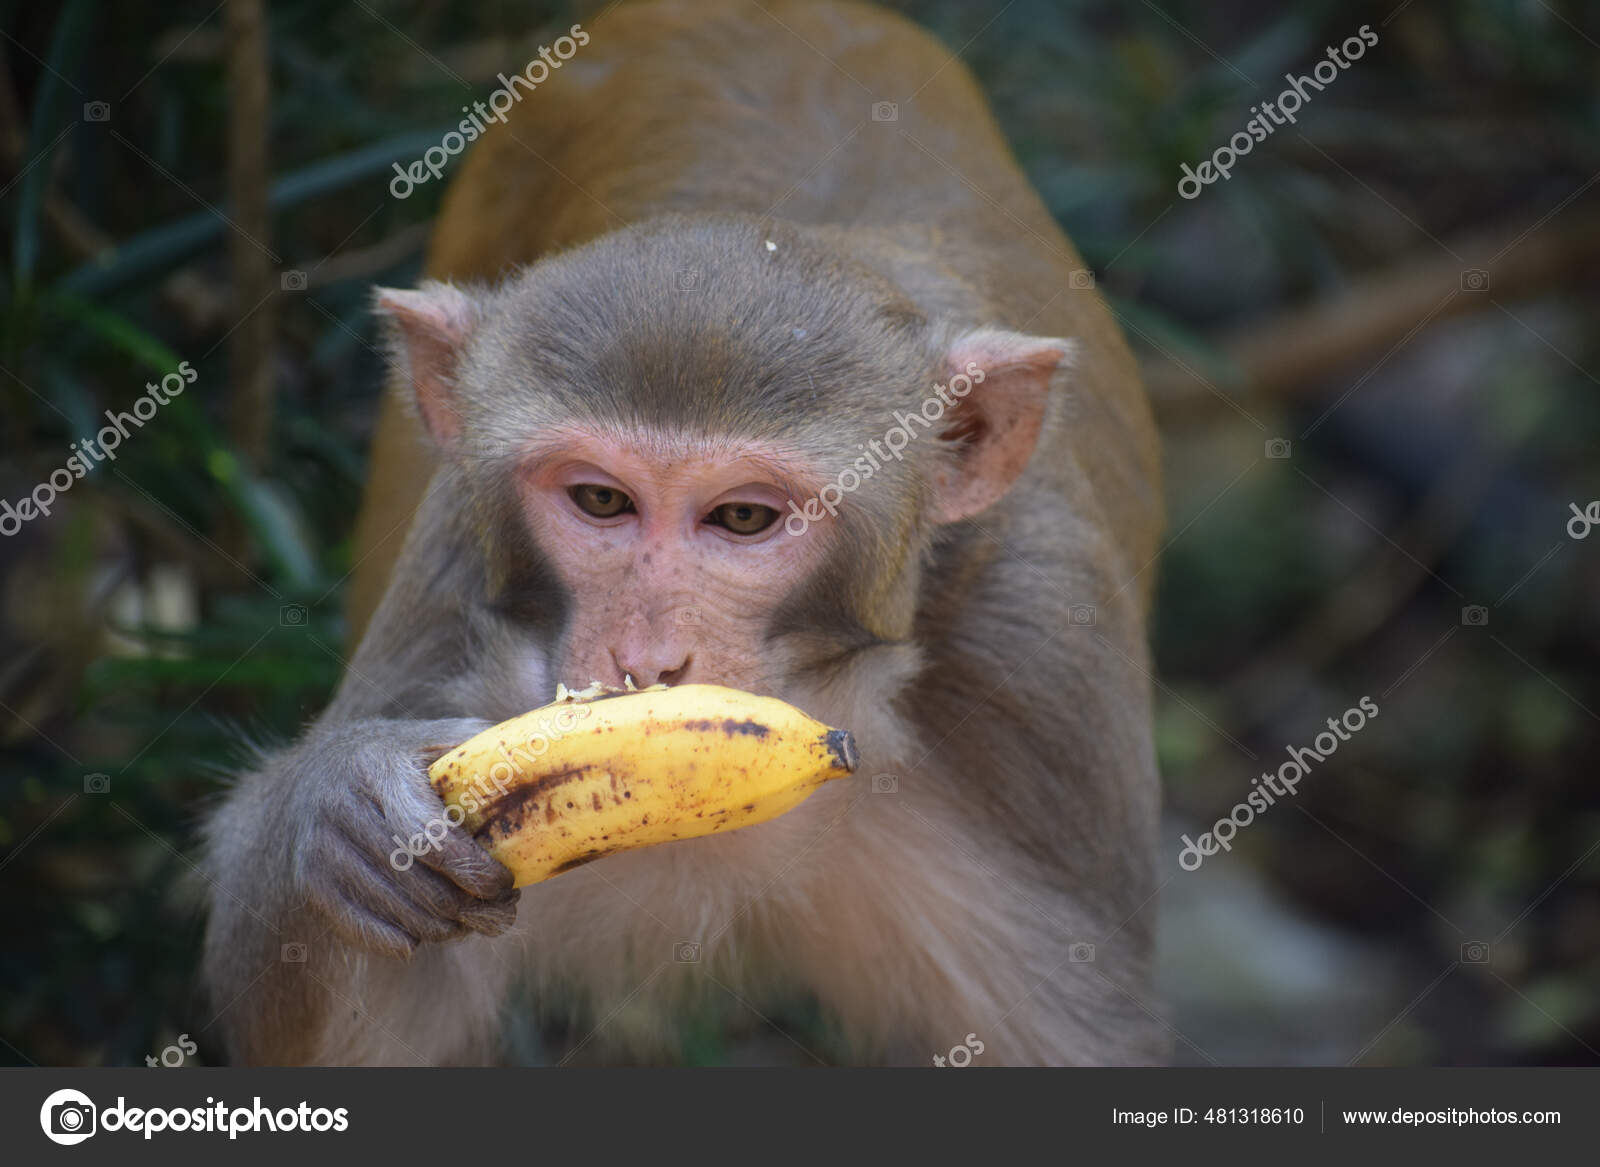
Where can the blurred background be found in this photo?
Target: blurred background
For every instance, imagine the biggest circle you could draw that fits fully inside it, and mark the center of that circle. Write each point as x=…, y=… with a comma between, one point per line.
x=1374, y=356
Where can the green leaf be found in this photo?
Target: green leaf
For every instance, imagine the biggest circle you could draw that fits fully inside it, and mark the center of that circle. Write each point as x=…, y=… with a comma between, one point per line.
x=120, y=332
x=272, y=517
x=44, y=135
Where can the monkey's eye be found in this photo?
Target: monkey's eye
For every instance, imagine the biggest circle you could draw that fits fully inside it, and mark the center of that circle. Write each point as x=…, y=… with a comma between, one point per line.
x=603, y=502
x=743, y=518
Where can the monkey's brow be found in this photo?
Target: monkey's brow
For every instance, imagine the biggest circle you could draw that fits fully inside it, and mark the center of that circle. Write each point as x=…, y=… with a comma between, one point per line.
x=664, y=448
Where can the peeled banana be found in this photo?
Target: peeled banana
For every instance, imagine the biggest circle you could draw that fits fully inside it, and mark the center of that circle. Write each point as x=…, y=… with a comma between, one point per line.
x=600, y=771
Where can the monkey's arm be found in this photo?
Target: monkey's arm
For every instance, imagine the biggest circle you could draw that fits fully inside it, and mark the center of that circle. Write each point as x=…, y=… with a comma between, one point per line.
x=311, y=911
x=330, y=862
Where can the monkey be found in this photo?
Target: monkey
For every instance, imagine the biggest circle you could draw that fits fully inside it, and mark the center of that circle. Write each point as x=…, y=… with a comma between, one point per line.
x=730, y=369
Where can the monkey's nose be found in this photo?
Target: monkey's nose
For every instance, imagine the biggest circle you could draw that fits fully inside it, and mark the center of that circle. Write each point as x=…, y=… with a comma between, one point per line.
x=646, y=667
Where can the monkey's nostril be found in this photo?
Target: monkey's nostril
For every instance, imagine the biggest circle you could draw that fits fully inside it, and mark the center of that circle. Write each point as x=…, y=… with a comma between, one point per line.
x=643, y=672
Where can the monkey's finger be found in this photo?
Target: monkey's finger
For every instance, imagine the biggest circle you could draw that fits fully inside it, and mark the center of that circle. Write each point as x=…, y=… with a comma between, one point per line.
x=443, y=898
x=467, y=865
x=362, y=929
x=492, y=917
x=389, y=896
x=457, y=863
x=399, y=916
x=414, y=811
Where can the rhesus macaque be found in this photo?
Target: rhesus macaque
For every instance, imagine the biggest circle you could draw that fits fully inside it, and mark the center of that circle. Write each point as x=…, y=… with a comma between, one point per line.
x=728, y=372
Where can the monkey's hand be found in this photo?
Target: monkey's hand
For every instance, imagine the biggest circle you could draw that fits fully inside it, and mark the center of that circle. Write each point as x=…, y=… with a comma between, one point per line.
x=374, y=853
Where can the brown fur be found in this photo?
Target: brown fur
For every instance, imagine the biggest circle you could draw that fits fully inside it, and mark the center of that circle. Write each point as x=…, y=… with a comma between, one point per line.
x=1024, y=819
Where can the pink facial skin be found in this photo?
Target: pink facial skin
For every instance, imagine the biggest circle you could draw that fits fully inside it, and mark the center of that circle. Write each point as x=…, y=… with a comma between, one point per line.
x=662, y=593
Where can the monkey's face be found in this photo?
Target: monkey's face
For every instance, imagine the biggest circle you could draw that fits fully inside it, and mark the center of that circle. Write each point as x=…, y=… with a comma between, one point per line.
x=734, y=479
x=674, y=553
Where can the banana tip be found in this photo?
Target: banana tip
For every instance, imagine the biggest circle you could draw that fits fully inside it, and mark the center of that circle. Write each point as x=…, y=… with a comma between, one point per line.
x=843, y=748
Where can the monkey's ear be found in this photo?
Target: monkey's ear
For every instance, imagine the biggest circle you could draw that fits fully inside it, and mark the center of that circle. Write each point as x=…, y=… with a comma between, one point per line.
x=995, y=425
x=430, y=327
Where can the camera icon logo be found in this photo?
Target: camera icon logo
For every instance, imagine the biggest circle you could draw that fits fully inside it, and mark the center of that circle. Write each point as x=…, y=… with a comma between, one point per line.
x=687, y=280
x=68, y=1117
x=1081, y=953
x=1081, y=279
x=885, y=783
x=1082, y=615
x=97, y=783
x=1474, y=279
x=687, y=616
x=686, y=952
x=1475, y=952
x=97, y=111
x=1278, y=448
x=1475, y=616
x=293, y=953
x=885, y=111
x=294, y=281
x=293, y=616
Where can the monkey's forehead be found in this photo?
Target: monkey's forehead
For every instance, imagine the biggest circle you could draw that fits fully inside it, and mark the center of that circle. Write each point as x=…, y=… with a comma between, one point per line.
x=705, y=319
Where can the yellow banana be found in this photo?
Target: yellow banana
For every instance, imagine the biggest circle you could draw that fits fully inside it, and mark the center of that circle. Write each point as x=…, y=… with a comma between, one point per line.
x=602, y=771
